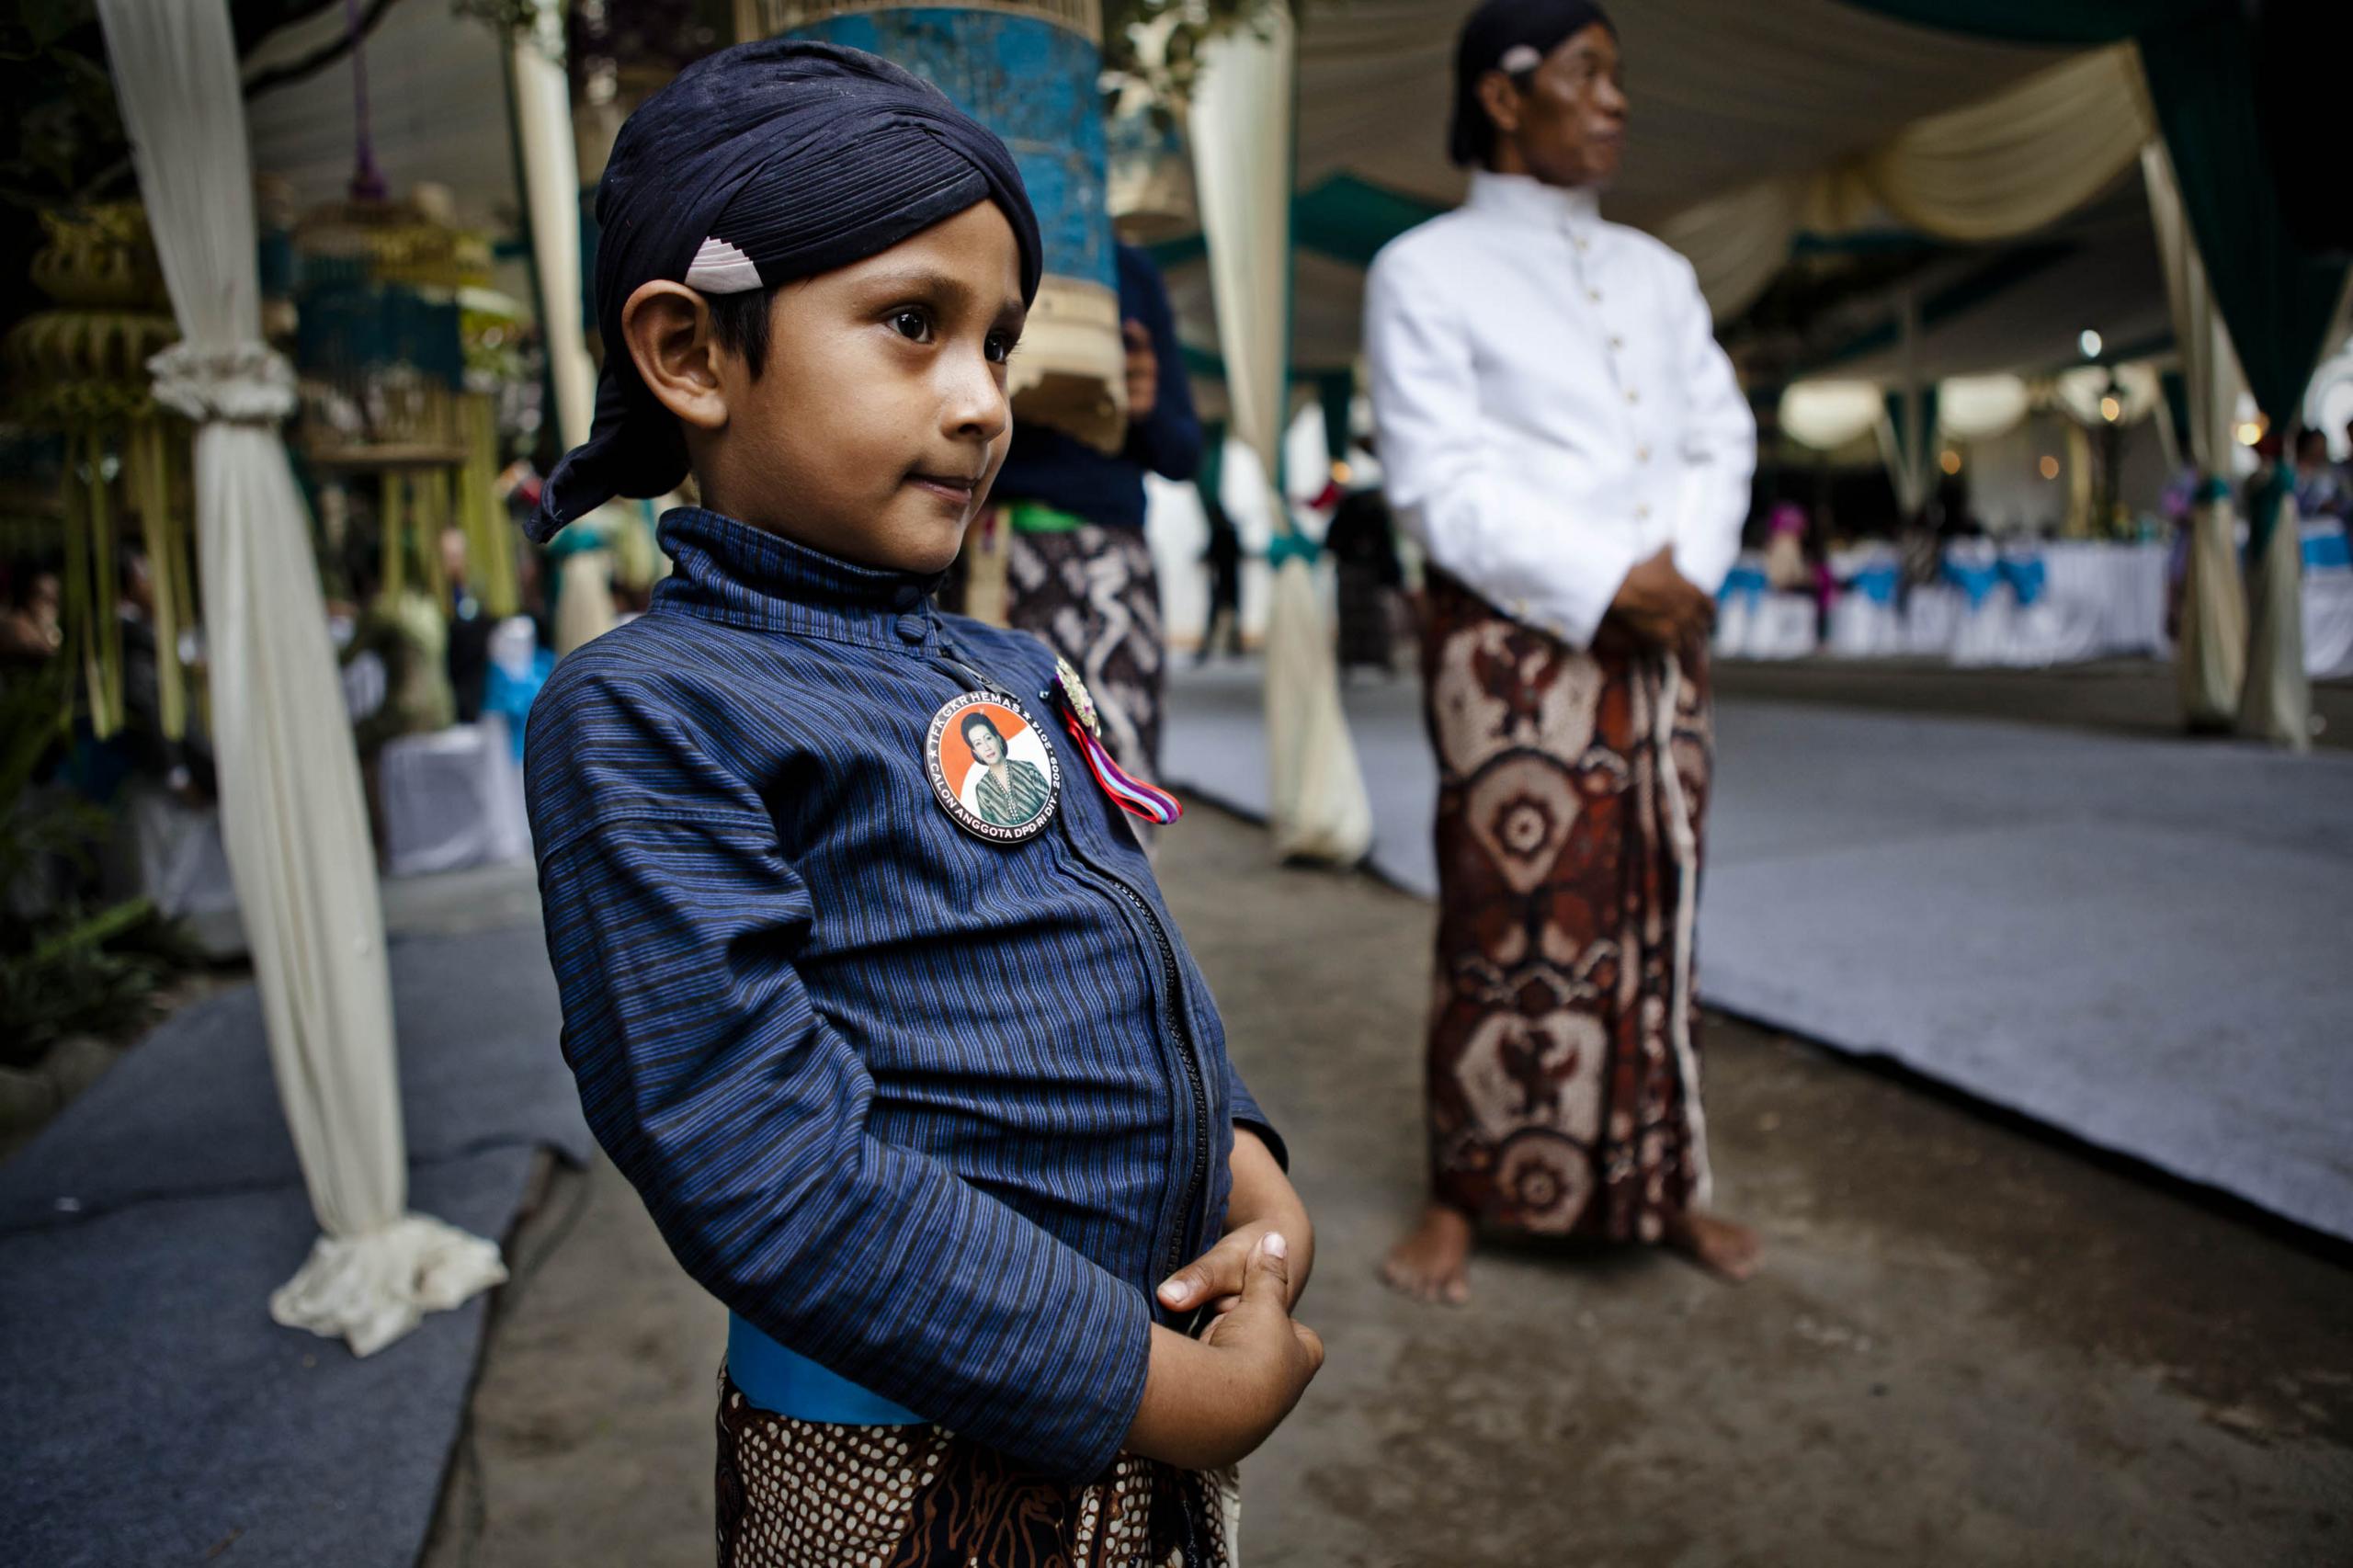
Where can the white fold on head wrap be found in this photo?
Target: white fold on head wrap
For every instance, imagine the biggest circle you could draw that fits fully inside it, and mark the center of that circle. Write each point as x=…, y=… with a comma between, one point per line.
x=720, y=268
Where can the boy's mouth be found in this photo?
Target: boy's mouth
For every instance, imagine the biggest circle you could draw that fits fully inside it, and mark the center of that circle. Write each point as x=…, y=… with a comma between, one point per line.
x=959, y=488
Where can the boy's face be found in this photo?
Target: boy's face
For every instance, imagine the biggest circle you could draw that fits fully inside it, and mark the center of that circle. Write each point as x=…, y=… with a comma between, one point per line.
x=879, y=417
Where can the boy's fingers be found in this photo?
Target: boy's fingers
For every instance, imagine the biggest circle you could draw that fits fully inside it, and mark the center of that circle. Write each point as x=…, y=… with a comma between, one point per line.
x=1217, y=1272
x=1312, y=1343
x=1267, y=1274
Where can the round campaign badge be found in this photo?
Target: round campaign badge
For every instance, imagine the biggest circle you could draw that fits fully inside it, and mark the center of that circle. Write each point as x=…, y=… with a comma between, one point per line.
x=991, y=769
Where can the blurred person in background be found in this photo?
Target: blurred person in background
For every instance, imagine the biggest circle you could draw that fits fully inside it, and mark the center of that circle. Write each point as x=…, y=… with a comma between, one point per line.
x=1559, y=426
x=1224, y=558
x=2320, y=484
x=1080, y=574
x=1363, y=543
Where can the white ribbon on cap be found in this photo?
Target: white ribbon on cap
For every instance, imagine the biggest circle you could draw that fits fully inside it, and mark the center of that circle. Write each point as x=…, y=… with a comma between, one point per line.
x=1520, y=57
x=720, y=268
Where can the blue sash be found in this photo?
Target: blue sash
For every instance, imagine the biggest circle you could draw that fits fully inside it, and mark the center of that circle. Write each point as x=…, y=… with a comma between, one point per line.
x=775, y=1378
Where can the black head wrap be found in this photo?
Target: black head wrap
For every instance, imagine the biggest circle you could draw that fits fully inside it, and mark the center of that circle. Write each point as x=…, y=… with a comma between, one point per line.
x=758, y=164
x=1510, y=36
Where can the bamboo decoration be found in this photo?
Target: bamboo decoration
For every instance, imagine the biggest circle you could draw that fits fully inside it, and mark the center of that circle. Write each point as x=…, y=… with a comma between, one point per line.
x=80, y=369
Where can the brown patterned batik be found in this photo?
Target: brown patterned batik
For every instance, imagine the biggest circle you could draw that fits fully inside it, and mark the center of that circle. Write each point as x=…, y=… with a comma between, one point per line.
x=813, y=1495
x=1090, y=593
x=1563, y=1060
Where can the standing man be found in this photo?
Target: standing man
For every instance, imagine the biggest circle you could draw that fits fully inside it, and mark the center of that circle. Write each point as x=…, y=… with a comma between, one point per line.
x=1080, y=574
x=1559, y=426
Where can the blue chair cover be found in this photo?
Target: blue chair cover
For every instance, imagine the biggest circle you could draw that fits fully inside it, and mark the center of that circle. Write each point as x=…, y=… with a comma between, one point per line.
x=1879, y=582
x=2325, y=550
x=2026, y=576
x=504, y=693
x=1976, y=579
x=1743, y=580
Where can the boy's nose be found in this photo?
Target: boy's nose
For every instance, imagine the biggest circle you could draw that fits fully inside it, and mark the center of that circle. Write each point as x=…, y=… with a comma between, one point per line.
x=977, y=407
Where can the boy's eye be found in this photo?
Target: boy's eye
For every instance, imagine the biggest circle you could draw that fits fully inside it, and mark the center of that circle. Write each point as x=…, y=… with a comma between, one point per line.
x=1000, y=348
x=912, y=325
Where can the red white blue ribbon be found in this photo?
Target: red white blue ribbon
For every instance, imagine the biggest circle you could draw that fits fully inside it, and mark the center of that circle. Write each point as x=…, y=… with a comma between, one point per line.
x=1134, y=796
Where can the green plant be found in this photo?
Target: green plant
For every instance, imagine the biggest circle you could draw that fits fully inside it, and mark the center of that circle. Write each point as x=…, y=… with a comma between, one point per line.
x=1156, y=43
x=67, y=965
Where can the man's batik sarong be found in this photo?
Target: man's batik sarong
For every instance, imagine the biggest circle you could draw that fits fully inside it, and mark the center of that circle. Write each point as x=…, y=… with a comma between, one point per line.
x=1091, y=593
x=1564, y=1059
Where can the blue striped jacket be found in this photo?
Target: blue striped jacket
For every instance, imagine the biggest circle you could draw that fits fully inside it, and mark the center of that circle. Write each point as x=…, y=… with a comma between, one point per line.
x=936, y=1113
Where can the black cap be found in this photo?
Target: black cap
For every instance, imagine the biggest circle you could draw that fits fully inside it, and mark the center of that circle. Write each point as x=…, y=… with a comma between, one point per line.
x=1510, y=36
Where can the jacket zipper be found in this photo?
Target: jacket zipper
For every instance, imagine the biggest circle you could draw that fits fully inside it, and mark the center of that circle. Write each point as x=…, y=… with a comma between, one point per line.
x=1196, y=1191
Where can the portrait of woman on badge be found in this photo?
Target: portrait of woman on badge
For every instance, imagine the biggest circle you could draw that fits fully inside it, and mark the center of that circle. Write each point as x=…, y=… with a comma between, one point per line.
x=1007, y=791
x=992, y=770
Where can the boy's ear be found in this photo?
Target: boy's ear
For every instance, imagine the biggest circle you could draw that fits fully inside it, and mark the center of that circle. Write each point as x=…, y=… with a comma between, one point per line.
x=666, y=328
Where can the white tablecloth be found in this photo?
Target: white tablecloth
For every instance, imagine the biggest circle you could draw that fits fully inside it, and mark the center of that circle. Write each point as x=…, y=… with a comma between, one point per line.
x=452, y=799
x=2328, y=624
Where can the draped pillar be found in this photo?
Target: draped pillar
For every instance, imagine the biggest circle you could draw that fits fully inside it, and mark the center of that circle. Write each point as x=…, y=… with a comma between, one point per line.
x=2210, y=657
x=2276, y=703
x=1242, y=126
x=291, y=815
x=551, y=158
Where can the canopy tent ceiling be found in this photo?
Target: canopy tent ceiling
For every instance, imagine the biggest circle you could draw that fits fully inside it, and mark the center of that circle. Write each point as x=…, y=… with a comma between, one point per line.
x=1725, y=94
x=1724, y=91
x=437, y=109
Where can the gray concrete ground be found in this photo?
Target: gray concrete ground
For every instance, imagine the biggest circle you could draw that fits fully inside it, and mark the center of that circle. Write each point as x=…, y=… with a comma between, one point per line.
x=2124, y=696
x=1971, y=1345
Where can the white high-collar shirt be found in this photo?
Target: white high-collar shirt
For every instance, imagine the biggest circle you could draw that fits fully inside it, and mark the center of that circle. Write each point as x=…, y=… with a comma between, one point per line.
x=1551, y=403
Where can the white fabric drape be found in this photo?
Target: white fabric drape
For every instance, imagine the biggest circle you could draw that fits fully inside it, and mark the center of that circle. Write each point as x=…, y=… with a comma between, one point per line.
x=2210, y=665
x=295, y=827
x=2020, y=160
x=552, y=191
x=2276, y=702
x=1318, y=807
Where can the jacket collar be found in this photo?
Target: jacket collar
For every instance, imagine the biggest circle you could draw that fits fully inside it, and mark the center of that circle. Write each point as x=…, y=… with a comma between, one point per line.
x=732, y=572
x=1520, y=199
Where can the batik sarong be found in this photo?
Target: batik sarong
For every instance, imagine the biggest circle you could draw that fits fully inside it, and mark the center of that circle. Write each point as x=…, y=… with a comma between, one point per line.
x=813, y=1495
x=1091, y=593
x=1563, y=1055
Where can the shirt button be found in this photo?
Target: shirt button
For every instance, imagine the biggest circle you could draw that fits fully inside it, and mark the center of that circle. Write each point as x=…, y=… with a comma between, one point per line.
x=912, y=627
x=1583, y=245
x=1642, y=454
x=1634, y=396
x=1642, y=512
x=1594, y=294
x=1616, y=343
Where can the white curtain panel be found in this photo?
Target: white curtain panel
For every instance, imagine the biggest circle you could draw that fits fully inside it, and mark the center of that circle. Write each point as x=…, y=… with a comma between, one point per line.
x=2021, y=159
x=1242, y=114
x=552, y=191
x=2209, y=662
x=2276, y=702
x=291, y=811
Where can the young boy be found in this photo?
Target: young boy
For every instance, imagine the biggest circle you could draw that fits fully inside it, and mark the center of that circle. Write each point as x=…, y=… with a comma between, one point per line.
x=910, y=1067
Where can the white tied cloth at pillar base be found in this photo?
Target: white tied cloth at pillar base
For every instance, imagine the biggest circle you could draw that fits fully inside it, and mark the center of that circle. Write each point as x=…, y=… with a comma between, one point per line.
x=1318, y=807
x=292, y=817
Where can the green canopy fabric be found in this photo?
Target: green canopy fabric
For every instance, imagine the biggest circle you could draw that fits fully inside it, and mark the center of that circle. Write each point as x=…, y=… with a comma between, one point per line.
x=2198, y=55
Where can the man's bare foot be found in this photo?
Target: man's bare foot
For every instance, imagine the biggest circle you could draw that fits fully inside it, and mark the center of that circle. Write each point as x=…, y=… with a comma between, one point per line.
x=1432, y=1263
x=1725, y=1249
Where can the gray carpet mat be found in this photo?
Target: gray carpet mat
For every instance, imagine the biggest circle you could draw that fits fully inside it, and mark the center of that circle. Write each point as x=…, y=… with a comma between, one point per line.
x=157, y=1414
x=2142, y=943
